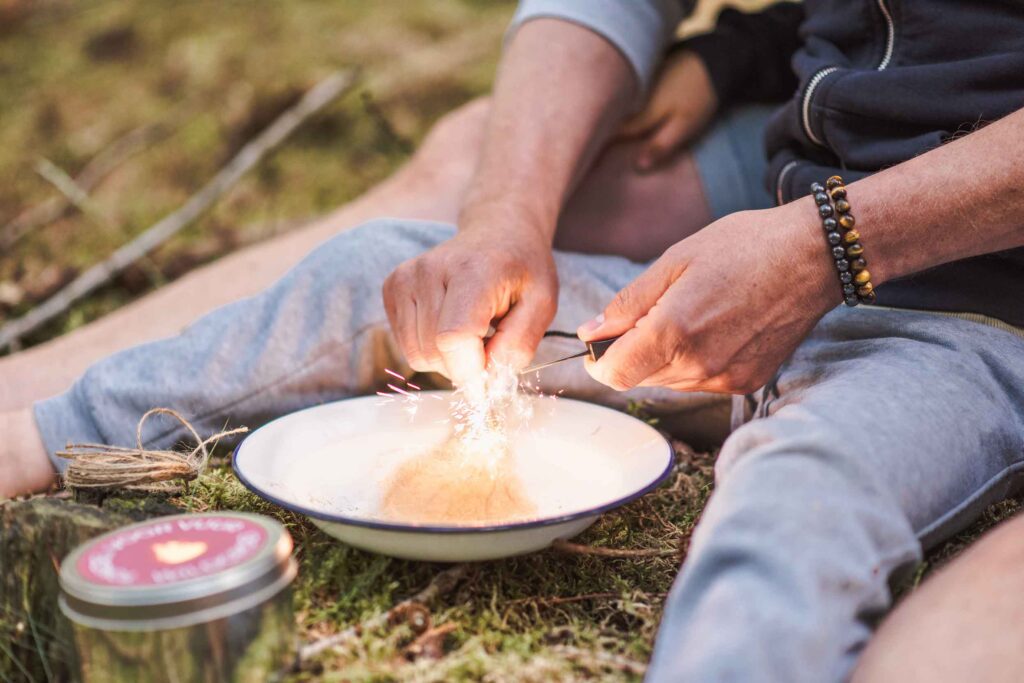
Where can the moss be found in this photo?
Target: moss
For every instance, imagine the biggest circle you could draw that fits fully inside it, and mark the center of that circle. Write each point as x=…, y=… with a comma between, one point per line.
x=511, y=615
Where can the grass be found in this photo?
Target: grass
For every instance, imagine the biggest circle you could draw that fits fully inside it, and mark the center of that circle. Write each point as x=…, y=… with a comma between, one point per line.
x=76, y=76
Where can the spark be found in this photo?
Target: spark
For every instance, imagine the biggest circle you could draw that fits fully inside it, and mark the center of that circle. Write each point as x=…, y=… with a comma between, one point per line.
x=484, y=414
x=403, y=392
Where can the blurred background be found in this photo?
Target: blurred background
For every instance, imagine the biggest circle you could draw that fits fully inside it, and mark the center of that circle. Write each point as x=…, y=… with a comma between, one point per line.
x=113, y=113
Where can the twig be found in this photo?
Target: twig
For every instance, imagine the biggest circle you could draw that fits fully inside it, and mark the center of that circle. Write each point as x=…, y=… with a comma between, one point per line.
x=551, y=600
x=577, y=549
x=430, y=643
x=322, y=94
x=72, y=191
x=563, y=599
x=96, y=170
x=438, y=586
x=598, y=658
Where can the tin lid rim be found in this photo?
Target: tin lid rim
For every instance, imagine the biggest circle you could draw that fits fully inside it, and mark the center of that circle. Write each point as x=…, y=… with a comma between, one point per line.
x=276, y=553
x=207, y=614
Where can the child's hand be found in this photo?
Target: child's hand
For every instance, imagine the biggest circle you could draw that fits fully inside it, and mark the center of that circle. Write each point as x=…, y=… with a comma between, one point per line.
x=681, y=104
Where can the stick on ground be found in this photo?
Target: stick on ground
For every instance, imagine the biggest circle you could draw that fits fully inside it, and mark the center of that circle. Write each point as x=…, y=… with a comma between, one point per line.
x=439, y=585
x=98, y=168
x=577, y=549
x=74, y=193
x=322, y=94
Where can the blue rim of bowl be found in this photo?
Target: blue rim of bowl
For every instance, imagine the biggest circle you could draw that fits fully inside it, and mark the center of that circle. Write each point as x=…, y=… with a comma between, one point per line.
x=437, y=529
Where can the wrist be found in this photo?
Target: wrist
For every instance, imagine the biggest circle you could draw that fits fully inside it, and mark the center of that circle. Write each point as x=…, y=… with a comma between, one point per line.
x=507, y=218
x=810, y=255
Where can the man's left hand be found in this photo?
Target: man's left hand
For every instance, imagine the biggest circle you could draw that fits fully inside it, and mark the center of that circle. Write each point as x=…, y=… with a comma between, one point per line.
x=723, y=309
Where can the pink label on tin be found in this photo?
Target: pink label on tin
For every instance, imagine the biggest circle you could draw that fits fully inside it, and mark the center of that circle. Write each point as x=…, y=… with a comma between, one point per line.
x=169, y=551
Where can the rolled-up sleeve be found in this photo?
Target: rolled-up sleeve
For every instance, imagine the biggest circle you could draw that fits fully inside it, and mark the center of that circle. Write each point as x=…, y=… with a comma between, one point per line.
x=640, y=29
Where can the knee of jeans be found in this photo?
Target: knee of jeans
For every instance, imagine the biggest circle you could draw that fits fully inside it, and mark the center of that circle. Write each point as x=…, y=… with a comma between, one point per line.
x=822, y=451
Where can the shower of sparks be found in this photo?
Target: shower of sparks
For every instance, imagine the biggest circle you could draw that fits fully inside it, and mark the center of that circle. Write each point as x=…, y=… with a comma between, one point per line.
x=409, y=399
x=484, y=414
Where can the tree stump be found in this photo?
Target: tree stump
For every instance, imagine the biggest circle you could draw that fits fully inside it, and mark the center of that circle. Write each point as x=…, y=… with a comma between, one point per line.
x=35, y=535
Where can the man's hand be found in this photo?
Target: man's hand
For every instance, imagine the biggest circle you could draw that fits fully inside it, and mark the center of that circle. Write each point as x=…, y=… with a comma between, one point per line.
x=561, y=90
x=723, y=309
x=681, y=104
x=442, y=303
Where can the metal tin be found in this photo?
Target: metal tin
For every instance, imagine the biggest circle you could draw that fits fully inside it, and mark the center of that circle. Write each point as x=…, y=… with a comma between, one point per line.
x=181, y=598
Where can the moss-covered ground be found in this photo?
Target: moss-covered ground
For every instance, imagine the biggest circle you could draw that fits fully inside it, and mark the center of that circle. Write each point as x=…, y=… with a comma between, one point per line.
x=75, y=76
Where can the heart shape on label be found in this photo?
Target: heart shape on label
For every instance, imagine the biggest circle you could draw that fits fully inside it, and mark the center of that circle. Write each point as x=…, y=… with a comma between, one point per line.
x=178, y=552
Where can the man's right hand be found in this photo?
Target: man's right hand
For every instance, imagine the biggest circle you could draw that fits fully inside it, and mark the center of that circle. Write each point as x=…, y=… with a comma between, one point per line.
x=442, y=303
x=560, y=92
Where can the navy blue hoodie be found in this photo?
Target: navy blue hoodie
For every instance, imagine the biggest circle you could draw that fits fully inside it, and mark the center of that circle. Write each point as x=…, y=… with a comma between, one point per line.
x=867, y=84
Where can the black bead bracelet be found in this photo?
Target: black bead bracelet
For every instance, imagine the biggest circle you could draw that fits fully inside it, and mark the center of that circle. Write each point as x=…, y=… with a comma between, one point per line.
x=844, y=241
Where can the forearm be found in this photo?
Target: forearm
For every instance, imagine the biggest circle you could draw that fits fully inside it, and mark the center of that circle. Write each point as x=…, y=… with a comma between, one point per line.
x=959, y=200
x=559, y=94
x=962, y=199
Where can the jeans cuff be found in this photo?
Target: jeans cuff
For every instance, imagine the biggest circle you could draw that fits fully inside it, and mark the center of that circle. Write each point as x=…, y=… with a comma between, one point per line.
x=62, y=420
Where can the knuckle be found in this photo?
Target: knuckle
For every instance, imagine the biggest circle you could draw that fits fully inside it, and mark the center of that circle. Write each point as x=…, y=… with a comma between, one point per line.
x=400, y=276
x=624, y=299
x=421, y=269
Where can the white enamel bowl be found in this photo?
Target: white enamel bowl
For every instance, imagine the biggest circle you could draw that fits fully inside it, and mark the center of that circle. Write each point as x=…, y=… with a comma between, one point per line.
x=575, y=460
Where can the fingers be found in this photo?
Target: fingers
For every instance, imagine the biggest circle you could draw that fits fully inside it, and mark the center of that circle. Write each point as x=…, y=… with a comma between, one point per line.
x=462, y=324
x=428, y=298
x=401, y=310
x=641, y=316
x=638, y=354
x=662, y=142
x=634, y=301
x=641, y=123
x=521, y=329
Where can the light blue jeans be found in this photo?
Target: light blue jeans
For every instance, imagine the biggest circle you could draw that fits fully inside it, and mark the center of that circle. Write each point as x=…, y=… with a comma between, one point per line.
x=886, y=430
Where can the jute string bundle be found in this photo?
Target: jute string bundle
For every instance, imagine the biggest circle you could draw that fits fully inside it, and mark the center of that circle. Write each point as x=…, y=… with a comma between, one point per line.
x=97, y=466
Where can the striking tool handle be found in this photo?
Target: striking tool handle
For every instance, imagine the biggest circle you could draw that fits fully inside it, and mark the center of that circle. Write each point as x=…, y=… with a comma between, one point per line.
x=598, y=348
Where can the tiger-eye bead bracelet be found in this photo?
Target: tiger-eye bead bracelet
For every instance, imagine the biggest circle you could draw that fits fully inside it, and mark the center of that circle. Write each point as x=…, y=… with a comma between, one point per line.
x=844, y=241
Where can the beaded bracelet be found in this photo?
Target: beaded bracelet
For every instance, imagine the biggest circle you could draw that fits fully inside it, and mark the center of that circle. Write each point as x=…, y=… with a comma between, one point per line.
x=844, y=241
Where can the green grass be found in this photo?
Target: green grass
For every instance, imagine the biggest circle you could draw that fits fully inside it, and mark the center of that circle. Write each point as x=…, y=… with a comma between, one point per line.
x=75, y=76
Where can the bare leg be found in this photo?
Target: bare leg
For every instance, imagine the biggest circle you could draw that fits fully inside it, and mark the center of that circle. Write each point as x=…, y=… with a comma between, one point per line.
x=24, y=467
x=964, y=624
x=614, y=210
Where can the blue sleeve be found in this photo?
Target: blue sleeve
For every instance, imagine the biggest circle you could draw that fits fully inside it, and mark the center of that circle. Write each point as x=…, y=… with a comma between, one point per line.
x=640, y=29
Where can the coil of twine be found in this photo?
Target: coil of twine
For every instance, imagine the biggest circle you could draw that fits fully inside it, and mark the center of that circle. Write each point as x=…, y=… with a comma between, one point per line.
x=98, y=466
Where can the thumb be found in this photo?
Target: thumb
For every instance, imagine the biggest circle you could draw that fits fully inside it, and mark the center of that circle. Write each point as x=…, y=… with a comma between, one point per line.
x=633, y=302
x=662, y=142
x=519, y=332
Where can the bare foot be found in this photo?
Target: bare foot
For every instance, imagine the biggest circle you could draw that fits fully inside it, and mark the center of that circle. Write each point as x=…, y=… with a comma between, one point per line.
x=24, y=465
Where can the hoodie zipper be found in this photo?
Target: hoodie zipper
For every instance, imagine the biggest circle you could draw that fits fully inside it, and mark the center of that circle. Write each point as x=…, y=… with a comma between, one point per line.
x=890, y=35
x=808, y=94
x=781, y=179
x=819, y=76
